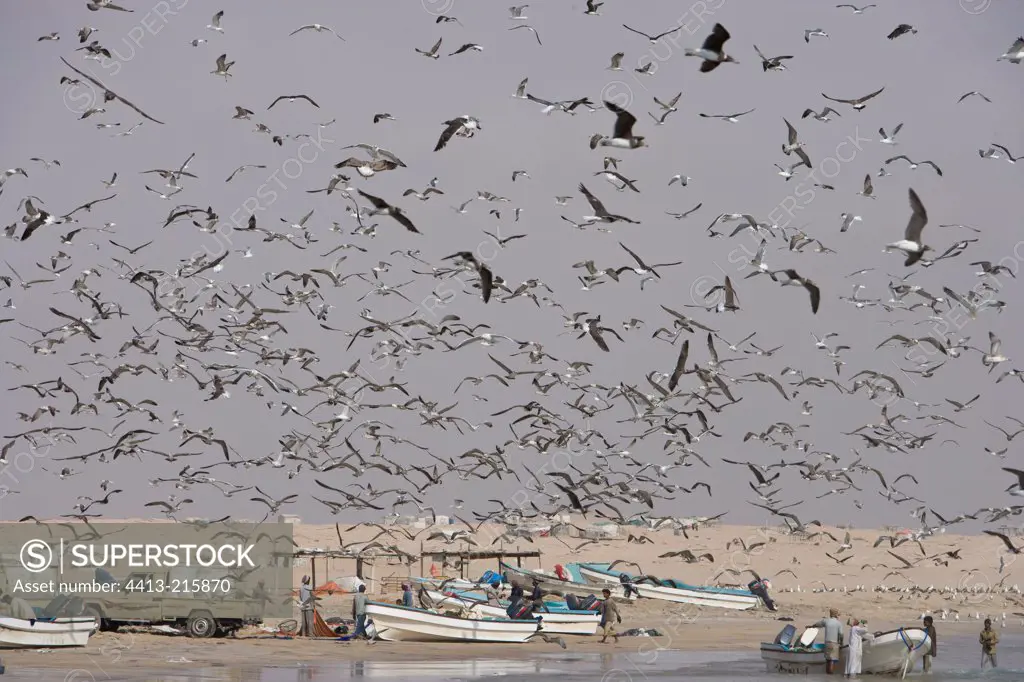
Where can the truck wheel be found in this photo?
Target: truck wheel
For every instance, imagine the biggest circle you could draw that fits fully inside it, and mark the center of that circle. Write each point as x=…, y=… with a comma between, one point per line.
x=201, y=625
x=93, y=611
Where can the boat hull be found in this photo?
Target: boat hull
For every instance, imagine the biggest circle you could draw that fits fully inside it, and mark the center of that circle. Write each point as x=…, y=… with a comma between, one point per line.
x=16, y=633
x=887, y=654
x=556, y=622
x=708, y=597
x=400, y=624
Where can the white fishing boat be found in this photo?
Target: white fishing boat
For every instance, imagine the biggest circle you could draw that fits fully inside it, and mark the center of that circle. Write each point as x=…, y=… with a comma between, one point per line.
x=889, y=652
x=555, y=621
x=16, y=633
x=673, y=590
x=395, y=623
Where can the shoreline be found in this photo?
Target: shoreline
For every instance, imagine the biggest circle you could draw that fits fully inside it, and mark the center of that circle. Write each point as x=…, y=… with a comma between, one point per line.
x=155, y=653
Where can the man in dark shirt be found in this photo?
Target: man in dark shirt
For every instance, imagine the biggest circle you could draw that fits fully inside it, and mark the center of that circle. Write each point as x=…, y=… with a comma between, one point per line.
x=929, y=627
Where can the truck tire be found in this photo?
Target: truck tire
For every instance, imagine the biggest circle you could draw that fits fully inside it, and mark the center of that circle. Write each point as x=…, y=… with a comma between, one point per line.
x=201, y=625
x=94, y=611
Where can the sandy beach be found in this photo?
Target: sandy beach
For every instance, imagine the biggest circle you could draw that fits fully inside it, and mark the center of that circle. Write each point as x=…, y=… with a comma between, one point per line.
x=806, y=583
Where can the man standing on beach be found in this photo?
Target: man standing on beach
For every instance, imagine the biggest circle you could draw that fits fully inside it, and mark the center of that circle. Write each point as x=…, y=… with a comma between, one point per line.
x=609, y=609
x=359, y=612
x=988, y=639
x=407, y=595
x=929, y=627
x=306, y=604
x=833, y=639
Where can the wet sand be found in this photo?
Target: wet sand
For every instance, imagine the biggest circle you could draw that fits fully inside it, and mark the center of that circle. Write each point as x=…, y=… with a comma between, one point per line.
x=132, y=653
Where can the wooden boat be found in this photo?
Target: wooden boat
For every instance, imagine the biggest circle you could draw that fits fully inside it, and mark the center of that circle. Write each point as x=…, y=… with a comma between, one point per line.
x=16, y=633
x=556, y=620
x=674, y=590
x=888, y=653
x=395, y=623
x=552, y=583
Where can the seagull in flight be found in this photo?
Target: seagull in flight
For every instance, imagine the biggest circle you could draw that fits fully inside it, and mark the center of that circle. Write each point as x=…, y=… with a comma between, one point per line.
x=601, y=214
x=971, y=94
x=823, y=116
x=319, y=28
x=214, y=24
x=814, y=32
x=671, y=104
x=911, y=243
x=1009, y=157
x=432, y=52
x=869, y=188
x=1015, y=53
x=793, y=278
x=383, y=207
x=900, y=30
x=529, y=28
x=795, y=146
x=713, y=50
x=292, y=98
x=773, y=64
x=462, y=125
x=466, y=48
x=889, y=139
x=222, y=66
x=680, y=216
x=859, y=103
x=653, y=39
x=914, y=164
x=622, y=135
x=856, y=10
x=731, y=118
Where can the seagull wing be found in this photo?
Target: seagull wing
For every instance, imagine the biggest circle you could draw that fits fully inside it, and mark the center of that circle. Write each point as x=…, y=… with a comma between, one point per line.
x=680, y=365
x=594, y=202
x=650, y=38
x=918, y=218
x=815, y=293
x=376, y=201
x=447, y=134
x=865, y=98
x=716, y=39
x=791, y=131
x=635, y=257
x=623, y=122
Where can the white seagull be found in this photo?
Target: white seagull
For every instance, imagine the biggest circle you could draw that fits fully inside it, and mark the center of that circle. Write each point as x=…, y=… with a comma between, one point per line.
x=713, y=50
x=856, y=10
x=1015, y=53
x=214, y=25
x=319, y=28
x=911, y=244
x=889, y=139
x=622, y=134
x=731, y=118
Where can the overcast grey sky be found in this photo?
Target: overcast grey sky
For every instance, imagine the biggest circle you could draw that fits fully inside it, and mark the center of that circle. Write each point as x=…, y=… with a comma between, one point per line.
x=375, y=70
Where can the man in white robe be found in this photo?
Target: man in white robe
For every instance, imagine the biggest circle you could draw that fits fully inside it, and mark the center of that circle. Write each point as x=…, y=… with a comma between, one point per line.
x=855, y=654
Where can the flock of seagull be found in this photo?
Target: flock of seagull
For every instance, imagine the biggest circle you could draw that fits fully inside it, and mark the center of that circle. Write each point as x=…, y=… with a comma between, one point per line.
x=193, y=325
